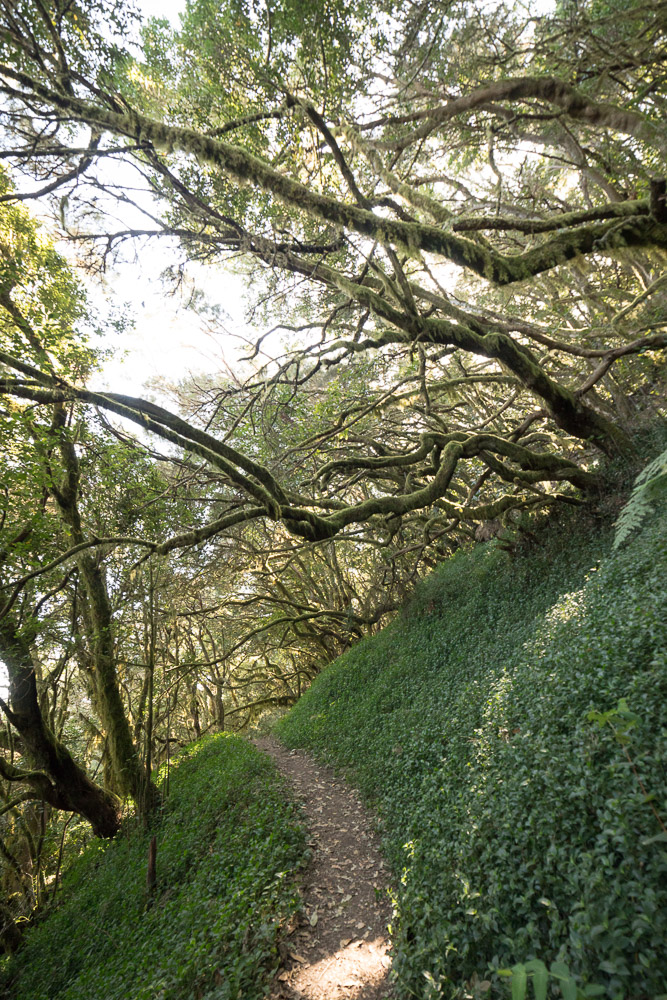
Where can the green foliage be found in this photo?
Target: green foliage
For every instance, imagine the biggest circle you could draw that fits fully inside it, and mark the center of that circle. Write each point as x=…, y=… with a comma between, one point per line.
x=524, y=832
x=226, y=846
x=650, y=488
x=538, y=976
x=88, y=32
x=51, y=328
x=228, y=59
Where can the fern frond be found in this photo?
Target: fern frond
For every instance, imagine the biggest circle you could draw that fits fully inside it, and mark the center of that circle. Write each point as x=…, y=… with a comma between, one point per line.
x=650, y=487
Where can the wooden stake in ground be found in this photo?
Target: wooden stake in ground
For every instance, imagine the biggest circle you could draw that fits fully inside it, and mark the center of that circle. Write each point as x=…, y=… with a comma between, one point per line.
x=151, y=876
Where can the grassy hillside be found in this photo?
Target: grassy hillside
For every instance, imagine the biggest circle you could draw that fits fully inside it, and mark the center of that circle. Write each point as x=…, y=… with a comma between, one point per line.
x=524, y=829
x=225, y=847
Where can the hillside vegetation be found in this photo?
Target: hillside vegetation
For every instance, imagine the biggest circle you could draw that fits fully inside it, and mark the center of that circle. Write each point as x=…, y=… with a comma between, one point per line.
x=511, y=727
x=226, y=846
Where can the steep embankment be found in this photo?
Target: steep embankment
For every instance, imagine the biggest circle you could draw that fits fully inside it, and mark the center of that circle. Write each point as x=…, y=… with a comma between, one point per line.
x=524, y=827
x=226, y=847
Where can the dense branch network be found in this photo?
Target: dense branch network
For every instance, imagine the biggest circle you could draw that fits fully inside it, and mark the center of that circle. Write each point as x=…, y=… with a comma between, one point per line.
x=469, y=281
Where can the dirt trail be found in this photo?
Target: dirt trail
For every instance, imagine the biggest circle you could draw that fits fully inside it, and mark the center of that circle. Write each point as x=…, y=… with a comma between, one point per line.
x=338, y=947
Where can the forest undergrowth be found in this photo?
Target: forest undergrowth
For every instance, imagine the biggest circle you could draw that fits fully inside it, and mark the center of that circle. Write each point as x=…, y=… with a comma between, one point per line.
x=228, y=845
x=511, y=728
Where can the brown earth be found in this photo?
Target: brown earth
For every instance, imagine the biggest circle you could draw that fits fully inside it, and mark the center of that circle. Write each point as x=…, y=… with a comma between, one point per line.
x=337, y=947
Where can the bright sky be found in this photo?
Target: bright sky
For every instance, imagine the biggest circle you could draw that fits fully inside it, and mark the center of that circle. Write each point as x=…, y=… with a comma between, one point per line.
x=162, y=8
x=167, y=340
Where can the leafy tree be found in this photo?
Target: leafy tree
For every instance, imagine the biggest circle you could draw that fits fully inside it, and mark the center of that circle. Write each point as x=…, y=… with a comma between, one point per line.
x=41, y=301
x=455, y=218
x=514, y=154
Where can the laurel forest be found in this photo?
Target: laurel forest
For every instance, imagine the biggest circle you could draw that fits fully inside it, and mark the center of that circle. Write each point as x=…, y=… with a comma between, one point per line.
x=447, y=222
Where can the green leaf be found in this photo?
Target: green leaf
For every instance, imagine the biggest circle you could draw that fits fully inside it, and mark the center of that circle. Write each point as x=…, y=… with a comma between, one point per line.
x=559, y=970
x=608, y=967
x=519, y=981
x=568, y=987
x=540, y=978
x=660, y=838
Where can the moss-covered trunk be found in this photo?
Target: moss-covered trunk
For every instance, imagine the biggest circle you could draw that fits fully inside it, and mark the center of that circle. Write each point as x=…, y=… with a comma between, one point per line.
x=61, y=781
x=131, y=777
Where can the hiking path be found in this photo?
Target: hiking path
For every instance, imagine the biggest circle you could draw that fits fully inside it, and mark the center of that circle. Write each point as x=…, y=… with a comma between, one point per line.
x=337, y=947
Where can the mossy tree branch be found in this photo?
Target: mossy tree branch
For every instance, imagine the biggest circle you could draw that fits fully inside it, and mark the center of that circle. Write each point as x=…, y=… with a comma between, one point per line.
x=570, y=100
x=602, y=237
x=63, y=782
x=303, y=521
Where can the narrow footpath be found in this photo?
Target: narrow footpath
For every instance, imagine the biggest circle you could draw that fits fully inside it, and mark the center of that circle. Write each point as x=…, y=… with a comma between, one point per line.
x=338, y=947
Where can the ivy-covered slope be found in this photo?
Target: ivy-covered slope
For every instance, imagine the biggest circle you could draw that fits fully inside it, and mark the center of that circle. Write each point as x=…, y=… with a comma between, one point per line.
x=226, y=846
x=522, y=826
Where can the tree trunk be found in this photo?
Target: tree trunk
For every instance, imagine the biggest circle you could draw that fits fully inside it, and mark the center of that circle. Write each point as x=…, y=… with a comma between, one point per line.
x=63, y=783
x=131, y=777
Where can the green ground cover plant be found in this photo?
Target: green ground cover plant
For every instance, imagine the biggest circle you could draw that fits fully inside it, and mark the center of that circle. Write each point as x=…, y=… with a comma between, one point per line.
x=511, y=727
x=227, y=844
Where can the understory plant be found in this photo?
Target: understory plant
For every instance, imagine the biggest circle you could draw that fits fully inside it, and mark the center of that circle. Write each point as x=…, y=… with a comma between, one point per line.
x=226, y=848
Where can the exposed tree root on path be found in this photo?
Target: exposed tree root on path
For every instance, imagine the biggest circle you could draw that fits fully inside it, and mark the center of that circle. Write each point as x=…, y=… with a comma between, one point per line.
x=338, y=947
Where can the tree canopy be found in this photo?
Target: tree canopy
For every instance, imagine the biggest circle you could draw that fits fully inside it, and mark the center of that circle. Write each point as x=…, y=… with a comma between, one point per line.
x=451, y=223
x=470, y=202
